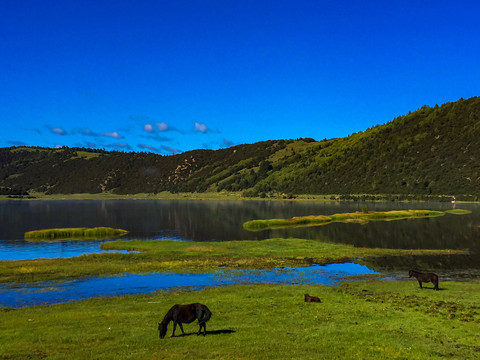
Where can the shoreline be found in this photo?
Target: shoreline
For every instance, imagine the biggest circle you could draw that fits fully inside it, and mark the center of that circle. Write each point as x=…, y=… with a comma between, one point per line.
x=174, y=256
x=233, y=196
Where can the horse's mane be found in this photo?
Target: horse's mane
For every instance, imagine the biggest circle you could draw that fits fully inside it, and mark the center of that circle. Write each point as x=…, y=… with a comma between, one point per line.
x=169, y=315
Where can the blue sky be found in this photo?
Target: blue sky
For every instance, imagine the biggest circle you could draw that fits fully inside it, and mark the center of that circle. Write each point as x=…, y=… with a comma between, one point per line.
x=173, y=75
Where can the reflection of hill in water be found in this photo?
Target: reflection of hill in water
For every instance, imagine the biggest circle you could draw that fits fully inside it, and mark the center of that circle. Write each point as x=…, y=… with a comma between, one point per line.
x=223, y=220
x=452, y=267
x=448, y=231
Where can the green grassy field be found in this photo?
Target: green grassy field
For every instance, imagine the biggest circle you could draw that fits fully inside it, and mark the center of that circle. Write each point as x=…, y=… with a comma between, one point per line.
x=195, y=257
x=359, y=320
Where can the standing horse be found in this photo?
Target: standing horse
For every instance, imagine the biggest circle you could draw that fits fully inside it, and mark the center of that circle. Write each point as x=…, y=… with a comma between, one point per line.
x=185, y=314
x=424, y=277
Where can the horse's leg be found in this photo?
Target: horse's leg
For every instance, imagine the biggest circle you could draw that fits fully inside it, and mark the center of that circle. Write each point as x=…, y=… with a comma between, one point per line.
x=181, y=328
x=420, y=283
x=204, y=328
x=174, y=327
x=202, y=324
x=200, y=316
x=436, y=285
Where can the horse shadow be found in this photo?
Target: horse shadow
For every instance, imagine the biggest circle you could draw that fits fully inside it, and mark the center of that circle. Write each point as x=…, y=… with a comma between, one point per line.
x=210, y=332
x=432, y=288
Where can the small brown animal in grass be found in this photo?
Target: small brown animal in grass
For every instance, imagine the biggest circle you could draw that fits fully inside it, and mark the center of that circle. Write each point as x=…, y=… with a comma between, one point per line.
x=309, y=298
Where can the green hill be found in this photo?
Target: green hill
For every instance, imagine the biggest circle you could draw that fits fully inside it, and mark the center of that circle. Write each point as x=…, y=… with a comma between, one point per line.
x=432, y=151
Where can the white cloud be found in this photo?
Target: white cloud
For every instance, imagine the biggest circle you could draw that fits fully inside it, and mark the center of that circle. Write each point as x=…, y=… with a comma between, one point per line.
x=148, y=128
x=200, y=127
x=58, y=131
x=162, y=126
x=114, y=134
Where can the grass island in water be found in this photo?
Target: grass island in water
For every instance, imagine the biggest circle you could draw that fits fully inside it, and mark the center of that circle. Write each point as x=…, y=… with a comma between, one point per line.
x=361, y=217
x=81, y=233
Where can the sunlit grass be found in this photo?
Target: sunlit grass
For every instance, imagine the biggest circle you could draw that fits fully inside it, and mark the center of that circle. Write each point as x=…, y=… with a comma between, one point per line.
x=458, y=211
x=360, y=320
x=74, y=233
x=195, y=257
x=359, y=217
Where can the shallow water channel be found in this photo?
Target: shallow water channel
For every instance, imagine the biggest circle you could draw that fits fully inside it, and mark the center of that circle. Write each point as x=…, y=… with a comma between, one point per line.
x=51, y=292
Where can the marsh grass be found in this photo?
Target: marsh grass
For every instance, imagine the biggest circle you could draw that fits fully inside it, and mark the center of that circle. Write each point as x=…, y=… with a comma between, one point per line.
x=458, y=211
x=81, y=233
x=360, y=320
x=357, y=217
x=195, y=257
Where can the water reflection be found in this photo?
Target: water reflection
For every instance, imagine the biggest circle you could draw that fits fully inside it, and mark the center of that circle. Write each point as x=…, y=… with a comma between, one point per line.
x=222, y=220
x=449, y=267
x=21, y=250
x=49, y=292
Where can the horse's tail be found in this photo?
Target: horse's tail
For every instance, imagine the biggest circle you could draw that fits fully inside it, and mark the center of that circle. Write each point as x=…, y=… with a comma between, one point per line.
x=206, y=315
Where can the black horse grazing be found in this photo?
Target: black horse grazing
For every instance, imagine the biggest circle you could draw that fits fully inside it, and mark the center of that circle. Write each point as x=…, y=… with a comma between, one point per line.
x=424, y=277
x=309, y=298
x=185, y=314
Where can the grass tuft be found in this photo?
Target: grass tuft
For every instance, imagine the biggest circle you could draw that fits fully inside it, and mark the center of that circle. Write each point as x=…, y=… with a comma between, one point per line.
x=458, y=211
x=82, y=233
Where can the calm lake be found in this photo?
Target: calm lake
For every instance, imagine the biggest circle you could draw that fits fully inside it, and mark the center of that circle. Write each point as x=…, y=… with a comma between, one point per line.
x=192, y=220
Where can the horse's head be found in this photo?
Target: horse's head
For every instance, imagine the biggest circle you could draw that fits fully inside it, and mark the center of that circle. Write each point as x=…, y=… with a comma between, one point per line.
x=410, y=273
x=162, y=330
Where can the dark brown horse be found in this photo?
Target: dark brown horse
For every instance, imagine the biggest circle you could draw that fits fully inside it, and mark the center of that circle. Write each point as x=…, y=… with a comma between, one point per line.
x=180, y=314
x=309, y=298
x=424, y=277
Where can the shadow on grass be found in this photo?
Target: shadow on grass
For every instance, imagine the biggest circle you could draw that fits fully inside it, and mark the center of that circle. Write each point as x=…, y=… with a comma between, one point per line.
x=212, y=332
x=431, y=288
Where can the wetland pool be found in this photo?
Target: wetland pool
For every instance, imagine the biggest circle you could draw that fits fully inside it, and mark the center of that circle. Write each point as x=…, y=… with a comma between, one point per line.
x=51, y=292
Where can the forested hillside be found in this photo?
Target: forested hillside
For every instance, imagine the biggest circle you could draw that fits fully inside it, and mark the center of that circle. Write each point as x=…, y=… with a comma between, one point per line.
x=432, y=151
